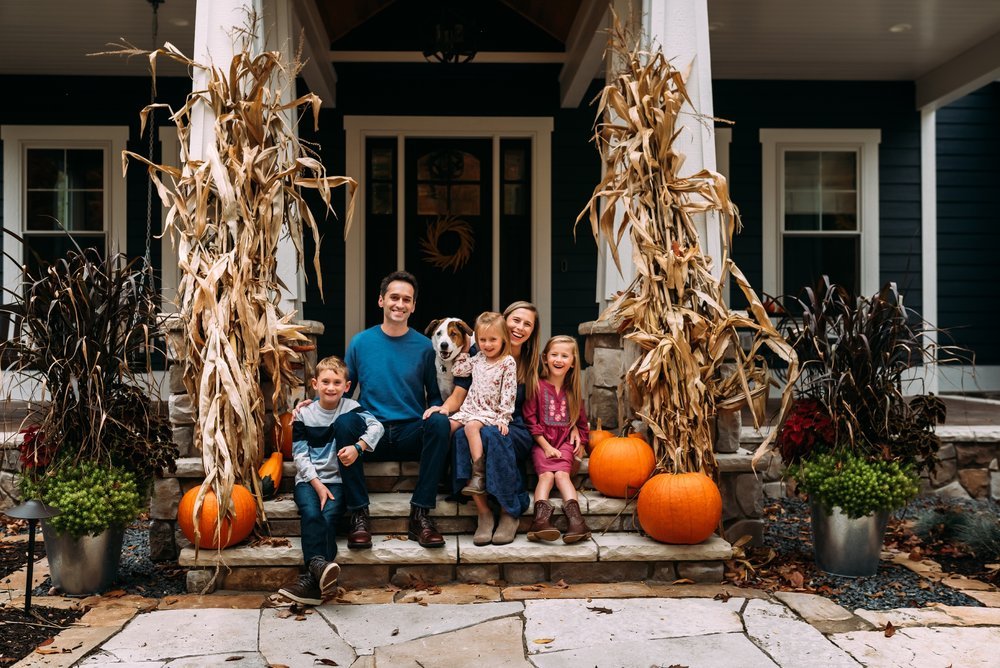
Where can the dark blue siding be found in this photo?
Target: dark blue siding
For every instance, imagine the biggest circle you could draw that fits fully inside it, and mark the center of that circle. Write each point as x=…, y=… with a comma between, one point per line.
x=887, y=106
x=968, y=230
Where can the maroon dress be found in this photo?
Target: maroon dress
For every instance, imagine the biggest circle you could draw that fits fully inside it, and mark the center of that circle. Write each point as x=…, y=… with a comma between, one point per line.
x=547, y=414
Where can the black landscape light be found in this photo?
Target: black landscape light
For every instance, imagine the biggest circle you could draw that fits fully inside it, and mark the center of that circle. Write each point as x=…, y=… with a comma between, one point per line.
x=32, y=510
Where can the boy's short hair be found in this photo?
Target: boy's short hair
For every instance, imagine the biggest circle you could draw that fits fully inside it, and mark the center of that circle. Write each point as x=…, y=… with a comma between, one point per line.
x=404, y=276
x=331, y=363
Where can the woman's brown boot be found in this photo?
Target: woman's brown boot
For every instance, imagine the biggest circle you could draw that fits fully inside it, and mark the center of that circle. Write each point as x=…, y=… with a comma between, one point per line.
x=484, y=528
x=577, y=529
x=477, y=483
x=506, y=529
x=541, y=527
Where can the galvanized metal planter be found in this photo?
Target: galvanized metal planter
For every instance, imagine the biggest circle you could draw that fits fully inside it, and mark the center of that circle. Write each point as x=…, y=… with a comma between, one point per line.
x=86, y=565
x=845, y=546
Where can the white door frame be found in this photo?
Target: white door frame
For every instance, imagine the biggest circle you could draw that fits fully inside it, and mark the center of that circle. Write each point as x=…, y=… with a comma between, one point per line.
x=537, y=129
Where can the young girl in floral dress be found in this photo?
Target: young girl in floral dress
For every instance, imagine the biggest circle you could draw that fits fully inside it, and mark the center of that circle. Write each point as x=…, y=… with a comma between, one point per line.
x=551, y=415
x=490, y=401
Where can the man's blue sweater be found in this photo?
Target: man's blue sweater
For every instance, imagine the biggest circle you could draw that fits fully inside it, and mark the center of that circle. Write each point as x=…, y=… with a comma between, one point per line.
x=395, y=373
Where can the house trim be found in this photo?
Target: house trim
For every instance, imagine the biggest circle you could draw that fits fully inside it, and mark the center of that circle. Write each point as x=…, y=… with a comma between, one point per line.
x=537, y=129
x=18, y=138
x=774, y=141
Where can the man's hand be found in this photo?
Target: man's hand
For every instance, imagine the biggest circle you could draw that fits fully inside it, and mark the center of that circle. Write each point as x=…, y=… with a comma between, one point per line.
x=347, y=455
x=322, y=492
x=299, y=406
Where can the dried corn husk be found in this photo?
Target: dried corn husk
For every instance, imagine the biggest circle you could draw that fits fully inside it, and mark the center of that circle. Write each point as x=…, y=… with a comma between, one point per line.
x=691, y=363
x=226, y=214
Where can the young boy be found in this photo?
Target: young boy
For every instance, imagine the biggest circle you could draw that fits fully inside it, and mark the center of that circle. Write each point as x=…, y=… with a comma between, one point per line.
x=328, y=436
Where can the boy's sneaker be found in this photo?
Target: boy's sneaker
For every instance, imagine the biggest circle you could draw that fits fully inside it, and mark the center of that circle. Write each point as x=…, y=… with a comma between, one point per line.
x=326, y=574
x=304, y=591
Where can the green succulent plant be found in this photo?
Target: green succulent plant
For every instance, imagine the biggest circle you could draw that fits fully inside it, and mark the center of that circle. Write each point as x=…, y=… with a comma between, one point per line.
x=90, y=497
x=855, y=484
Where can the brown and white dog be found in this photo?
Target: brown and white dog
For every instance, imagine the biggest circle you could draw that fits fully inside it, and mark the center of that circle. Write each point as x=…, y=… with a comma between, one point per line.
x=448, y=336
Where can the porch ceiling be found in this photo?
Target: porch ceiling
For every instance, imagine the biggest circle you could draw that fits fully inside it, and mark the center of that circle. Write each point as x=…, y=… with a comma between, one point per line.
x=766, y=39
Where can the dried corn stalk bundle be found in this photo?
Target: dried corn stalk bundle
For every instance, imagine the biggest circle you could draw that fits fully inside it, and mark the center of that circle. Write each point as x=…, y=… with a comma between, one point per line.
x=690, y=363
x=226, y=215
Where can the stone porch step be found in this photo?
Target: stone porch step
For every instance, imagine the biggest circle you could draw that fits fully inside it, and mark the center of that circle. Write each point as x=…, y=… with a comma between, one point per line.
x=603, y=558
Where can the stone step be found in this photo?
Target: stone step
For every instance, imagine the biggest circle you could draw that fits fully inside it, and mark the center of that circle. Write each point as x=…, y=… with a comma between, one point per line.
x=392, y=558
x=390, y=512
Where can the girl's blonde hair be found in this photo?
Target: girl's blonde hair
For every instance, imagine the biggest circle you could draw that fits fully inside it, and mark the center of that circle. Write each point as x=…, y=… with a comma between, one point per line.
x=488, y=319
x=527, y=359
x=571, y=386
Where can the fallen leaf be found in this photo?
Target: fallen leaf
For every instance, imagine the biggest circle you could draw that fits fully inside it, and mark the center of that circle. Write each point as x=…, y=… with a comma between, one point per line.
x=47, y=641
x=326, y=662
x=924, y=584
x=890, y=630
x=543, y=641
x=395, y=632
x=600, y=610
x=48, y=650
x=683, y=581
x=300, y=618
x=561, y=585
x=724, y=596
x=234, y=658
x=916, y=554
x=531, y=588
x=796, y=579
x=277, y=665
x=284, y=614
x=114, y=593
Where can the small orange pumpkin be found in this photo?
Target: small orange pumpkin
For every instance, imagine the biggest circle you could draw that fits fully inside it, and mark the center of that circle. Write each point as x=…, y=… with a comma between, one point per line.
x=231, y=531
x=620, y=465
x=270, y=475
x=680, y=508
x=597, y=436
x=283, y=434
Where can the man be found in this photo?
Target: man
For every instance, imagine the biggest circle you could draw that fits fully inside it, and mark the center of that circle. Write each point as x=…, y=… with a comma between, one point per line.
x=394, y=367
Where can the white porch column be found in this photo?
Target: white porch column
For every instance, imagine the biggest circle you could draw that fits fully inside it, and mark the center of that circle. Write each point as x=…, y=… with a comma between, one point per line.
x=928, y=234
x=680, y=28
x=215, y=23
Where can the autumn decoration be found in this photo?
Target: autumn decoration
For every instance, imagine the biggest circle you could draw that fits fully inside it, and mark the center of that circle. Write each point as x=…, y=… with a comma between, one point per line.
x=620, y=465
x=679, y=508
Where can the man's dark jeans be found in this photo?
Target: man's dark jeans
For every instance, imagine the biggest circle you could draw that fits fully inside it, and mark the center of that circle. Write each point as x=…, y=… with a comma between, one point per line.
x=424, y=441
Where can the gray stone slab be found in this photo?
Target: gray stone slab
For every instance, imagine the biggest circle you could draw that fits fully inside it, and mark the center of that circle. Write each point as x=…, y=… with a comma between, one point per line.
x=102, y=658
x=245, y=660
x=366, y=627
x=493, y=644
x=162, y=635
x=578, y=623
x=790, y=641
x=523, y=550
x=822, y=613
x=285, y=641
x=384, y=550
x=243, y=555
x=941, y=615
x=383, y=504
x=633, y=547
x=724, y=650
x=918, y=647
x=598, y=504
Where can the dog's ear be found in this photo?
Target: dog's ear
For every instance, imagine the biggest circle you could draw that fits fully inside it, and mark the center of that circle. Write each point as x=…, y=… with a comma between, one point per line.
x=432, y=326
x=465, y=328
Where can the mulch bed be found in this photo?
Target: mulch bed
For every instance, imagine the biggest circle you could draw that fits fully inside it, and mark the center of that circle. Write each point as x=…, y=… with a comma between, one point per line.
x=14, y=556
x=20, y=634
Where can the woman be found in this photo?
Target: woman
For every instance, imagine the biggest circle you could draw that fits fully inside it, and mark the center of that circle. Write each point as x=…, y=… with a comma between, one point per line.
x=505, y=455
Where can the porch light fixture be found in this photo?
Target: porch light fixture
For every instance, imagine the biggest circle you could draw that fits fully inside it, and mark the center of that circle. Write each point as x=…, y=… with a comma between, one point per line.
x=32, y=511
x=451, y=36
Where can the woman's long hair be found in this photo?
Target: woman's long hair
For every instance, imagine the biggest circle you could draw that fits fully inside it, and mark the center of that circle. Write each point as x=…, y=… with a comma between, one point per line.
x=571, y=386
x=527, y=360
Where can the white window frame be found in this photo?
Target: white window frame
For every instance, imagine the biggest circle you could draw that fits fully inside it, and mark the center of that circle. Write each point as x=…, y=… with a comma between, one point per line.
x=17, y=139
x=537, y=129
x=774, y=142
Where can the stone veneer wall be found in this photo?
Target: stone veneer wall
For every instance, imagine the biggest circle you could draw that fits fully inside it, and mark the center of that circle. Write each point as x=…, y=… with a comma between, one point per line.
x=741, y=488
x=165, y=538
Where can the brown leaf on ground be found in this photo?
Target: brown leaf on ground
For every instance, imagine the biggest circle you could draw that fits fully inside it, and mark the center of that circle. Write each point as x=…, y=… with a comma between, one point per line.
x=284, y=614
x=723, y=596
x=114, y=593
x=270, y=541
x=561, y=585
x=543, y=641
x=600, y=610
x=234, y=658
x=683, y=581
x=531, y=588
x=395, y=632
x=326, y=662
x=889, y=630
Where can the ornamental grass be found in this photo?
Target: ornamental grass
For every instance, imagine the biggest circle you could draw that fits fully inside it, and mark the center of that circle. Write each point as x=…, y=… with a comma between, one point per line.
x=690, y=363
x=226, y=214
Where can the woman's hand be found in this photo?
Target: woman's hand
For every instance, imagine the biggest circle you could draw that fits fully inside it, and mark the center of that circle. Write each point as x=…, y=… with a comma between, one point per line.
x=435, y=409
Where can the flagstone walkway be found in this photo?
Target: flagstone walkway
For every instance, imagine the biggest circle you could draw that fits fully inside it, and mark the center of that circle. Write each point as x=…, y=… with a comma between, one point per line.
x=615, y=625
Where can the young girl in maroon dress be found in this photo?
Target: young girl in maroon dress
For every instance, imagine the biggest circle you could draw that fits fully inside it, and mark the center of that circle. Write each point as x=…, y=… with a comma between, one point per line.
x=550, y=415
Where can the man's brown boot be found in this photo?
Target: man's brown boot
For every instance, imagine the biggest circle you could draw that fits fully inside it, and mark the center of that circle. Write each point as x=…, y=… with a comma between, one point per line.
x=360, y=535
x=422, y=529
x=477, y=483
x=577, y=529
x=541, y=528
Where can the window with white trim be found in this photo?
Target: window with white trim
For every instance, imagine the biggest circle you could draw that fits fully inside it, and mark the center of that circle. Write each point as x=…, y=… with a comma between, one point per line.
x=820, y=209
x=62, y=184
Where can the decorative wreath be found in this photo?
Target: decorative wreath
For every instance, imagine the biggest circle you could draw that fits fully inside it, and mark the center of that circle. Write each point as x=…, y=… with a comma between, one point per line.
x=431, y=243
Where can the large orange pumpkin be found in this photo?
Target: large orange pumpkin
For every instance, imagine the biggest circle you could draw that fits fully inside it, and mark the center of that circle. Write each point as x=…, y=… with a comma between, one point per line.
x=270, y=475
x=680, y=508
x=619, y=466
x=283, y=434
x=597, y=436
x=232, y=531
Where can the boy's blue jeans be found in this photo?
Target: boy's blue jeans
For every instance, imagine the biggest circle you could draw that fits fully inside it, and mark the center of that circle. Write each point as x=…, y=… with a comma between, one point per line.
x=319, y=527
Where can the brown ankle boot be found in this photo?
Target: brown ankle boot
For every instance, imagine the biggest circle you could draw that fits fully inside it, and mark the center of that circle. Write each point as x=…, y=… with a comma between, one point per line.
x=484, y=529
x=477, y=483
x=577, y=529
x=541, y=527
